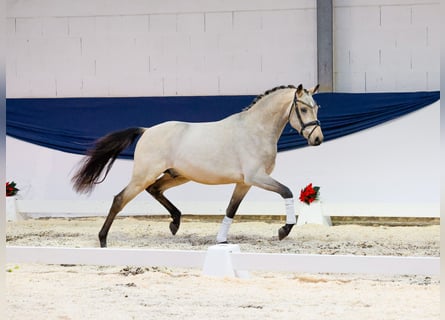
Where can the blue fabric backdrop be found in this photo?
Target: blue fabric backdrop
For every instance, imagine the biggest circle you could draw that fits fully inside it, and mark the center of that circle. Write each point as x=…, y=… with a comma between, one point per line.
x=73, y=124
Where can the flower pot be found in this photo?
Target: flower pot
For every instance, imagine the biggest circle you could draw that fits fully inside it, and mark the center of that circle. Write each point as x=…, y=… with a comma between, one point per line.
x=312, y=213
x=11, y=209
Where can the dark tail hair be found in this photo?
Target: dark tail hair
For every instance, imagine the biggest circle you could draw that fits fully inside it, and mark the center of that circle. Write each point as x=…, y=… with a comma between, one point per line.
x=102, y=155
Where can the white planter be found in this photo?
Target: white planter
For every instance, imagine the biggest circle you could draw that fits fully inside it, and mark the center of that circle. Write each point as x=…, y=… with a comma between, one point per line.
x=12, y=213
x=312, y=213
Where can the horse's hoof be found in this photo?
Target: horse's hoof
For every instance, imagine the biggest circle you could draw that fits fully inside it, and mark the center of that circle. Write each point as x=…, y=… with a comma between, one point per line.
x=284, y=231
x=174, y=228
x=222, y=242
x=103, y=244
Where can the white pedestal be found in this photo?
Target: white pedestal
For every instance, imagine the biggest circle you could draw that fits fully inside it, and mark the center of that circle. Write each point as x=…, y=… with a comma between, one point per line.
x=12, y=213
x=218, y=262
x=312, y=213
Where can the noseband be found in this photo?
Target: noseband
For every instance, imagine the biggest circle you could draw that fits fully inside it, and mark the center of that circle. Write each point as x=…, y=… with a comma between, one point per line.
x=303, y=125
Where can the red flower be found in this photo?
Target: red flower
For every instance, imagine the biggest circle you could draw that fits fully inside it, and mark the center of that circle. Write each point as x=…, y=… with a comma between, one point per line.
x=309, y=194
x=11, y=189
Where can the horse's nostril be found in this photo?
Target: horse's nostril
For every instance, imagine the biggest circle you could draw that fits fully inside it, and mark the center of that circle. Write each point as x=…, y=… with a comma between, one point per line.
x=318, y=141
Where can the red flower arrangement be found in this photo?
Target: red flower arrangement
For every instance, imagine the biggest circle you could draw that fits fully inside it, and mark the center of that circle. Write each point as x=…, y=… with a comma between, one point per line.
x=309, y=194
x=11, y=189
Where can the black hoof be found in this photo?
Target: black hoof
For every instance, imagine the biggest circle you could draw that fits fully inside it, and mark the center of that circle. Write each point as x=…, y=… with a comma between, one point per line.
x=284, y=231
x=174, y=227
x=223, y=242
x=103, y=243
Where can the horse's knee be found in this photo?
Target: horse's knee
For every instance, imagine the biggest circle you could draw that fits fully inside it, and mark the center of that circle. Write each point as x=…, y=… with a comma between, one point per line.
x=286, y=193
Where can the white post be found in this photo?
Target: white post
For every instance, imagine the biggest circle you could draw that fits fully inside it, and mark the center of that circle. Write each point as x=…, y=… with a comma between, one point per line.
x=312, y=213
x=218, y=262
x=12, y=214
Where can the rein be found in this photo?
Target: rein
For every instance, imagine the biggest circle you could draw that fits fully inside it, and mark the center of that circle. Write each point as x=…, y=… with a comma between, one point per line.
x=315, y=123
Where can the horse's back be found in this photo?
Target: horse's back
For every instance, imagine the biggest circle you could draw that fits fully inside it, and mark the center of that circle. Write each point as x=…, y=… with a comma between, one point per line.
x=160, y=136
x=204, y=152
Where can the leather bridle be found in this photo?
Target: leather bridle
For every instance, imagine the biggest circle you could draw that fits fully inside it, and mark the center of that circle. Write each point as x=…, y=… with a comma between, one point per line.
x=303, y=125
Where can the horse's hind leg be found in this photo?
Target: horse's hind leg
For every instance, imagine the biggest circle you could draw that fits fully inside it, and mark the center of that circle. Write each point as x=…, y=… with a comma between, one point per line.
x=167, y=181
x=119, y=201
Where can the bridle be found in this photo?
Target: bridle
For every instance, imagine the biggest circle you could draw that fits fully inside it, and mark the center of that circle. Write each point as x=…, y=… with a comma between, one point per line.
x=303, y=125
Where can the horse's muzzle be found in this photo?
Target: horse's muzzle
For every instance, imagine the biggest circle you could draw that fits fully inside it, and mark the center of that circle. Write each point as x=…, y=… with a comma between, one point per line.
x=317, y=141
x=316, y=137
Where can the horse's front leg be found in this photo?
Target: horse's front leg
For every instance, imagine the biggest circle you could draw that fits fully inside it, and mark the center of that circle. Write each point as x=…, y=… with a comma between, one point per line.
x=268, y=183
x=240, y=191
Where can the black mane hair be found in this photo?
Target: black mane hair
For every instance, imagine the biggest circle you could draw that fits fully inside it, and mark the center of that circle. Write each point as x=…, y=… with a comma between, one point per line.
x=259, y=97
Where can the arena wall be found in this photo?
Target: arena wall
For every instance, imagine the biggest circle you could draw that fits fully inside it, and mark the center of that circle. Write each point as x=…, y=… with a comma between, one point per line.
x=174, y=48
x=158, y=48
x=386, y=45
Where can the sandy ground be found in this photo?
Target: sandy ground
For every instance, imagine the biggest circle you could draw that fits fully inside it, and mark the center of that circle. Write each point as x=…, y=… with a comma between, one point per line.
x=127, y=292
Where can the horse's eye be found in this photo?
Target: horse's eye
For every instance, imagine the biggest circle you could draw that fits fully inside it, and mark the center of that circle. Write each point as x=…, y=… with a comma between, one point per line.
x=303, y=110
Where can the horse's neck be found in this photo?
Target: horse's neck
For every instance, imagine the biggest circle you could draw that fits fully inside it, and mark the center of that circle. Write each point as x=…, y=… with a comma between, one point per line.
x=271, y=113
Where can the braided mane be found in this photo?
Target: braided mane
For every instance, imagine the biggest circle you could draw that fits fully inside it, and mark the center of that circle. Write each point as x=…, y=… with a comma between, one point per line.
x=259, y=97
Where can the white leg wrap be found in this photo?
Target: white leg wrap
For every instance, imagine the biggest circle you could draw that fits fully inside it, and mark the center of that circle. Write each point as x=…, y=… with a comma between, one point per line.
x=224, y=229
x=290, y=212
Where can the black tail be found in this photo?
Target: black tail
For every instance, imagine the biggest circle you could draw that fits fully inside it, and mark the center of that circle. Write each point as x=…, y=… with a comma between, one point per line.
x=102, y=155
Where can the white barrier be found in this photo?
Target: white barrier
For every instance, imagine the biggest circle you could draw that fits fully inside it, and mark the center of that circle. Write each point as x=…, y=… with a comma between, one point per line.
x=24, y=209
x=219, y=262
x=307, y=263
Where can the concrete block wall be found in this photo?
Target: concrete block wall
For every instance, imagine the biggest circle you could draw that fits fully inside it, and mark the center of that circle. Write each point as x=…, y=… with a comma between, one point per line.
x=167, y=48
x=386, y=45
x=158, y=48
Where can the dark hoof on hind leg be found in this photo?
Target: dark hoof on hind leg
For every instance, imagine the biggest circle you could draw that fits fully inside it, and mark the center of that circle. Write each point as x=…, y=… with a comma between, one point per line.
x=174, y=227
x=284, y=231
x=103, y=241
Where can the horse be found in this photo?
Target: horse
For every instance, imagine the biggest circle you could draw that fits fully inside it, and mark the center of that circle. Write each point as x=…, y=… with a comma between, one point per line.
x=239, y=149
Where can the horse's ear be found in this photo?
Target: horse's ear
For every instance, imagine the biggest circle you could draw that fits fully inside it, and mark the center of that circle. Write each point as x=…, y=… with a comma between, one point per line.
x=300, y=90
x=314, y=89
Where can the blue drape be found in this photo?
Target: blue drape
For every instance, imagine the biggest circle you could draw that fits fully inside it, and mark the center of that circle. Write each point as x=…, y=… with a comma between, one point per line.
x=73, y=124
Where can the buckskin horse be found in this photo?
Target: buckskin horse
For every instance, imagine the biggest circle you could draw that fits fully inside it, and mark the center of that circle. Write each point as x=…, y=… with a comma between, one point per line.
x=239, y=149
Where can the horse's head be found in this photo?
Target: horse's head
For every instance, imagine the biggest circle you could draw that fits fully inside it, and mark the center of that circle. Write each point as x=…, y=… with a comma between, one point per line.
x=303, y=115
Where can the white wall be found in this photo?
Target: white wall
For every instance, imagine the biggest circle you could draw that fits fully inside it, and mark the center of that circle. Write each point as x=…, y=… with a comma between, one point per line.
x=162, y=48
x=386, y=45
x=391, y=170
x=158, y=48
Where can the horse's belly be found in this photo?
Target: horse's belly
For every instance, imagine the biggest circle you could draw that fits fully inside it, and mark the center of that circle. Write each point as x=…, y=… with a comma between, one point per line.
x=217, y=180
x=209, y=174
x=205, y=153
